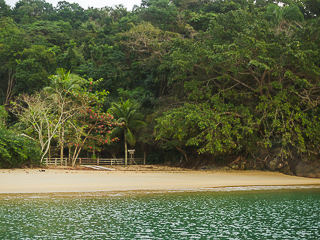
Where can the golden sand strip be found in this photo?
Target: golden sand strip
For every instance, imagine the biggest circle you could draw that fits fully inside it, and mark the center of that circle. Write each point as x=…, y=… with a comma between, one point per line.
x=34, y=181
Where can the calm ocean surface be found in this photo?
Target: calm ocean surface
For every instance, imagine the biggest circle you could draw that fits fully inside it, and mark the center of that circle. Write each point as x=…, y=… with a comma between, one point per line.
x=226, y=214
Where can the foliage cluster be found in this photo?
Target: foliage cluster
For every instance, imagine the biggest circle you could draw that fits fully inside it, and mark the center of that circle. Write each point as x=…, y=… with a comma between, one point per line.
x=218, y=79
x=16, y=150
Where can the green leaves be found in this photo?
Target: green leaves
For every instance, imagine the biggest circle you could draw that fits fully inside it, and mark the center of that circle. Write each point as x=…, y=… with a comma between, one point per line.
x=287, y=122
x=129, y=118
x=3, y=116
x=221, y=77
x=216, y=129
x=17, y=150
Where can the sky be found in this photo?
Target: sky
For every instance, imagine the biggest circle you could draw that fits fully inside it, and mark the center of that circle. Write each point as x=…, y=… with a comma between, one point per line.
x=90, y=3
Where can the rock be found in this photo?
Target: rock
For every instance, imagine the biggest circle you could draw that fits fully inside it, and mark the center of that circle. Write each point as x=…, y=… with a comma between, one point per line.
x=235, y=166
x=307, y=169
x=286, y=170
x=260, y=166
x=224, y=168
x=273, y=165
x=242, y=165
x=204, y=168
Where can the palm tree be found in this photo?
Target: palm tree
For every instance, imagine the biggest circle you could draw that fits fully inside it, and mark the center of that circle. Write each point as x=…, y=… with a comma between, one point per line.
x=126, y=113
x=64, y=82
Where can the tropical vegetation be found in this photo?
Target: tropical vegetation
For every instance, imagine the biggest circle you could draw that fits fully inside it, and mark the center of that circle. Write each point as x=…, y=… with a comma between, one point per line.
x=182, y=81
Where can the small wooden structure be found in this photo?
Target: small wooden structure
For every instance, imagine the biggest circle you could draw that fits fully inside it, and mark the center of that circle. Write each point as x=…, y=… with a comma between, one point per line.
x=92, y=161
x=131, y=152
x=99, y=168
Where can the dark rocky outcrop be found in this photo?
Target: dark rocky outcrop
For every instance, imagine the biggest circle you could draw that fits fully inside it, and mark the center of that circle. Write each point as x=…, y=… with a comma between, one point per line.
x=293, y=166
x=306, y=169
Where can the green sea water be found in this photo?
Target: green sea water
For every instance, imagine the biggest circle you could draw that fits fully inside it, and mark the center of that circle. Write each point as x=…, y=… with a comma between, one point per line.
x=220, y=214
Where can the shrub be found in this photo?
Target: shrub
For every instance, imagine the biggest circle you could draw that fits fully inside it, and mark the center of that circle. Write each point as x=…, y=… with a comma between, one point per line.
x=17, y=150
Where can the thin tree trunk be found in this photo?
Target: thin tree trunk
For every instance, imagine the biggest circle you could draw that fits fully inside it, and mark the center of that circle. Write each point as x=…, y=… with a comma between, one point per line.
x=49, y=157
x=69, y=158
x=125, y=148
x=75, y=155
x=48, y=142
x=184, y=153
x=61, y=142
x=11, y=83
x=45, y=152
x=61, y=152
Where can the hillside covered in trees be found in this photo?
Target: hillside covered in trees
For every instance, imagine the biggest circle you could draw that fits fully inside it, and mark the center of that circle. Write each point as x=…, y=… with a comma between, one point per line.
x=191, y=81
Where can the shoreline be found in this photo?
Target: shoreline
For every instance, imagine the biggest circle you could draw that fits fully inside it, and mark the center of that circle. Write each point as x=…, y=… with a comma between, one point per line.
x=129, y=193
x=24, y=181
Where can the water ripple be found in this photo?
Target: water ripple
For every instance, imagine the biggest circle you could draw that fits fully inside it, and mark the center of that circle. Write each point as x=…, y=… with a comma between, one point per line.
x=278, y=214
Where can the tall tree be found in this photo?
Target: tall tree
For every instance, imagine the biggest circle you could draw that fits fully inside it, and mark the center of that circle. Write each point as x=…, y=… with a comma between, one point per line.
x=12, y=42
x=29, y=11
x=62, y=85
x=127, y=115
x=5, y=10
x=44, y=113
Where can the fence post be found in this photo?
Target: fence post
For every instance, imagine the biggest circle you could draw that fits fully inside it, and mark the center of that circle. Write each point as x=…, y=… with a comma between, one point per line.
x=144, y=158
x=55, y=162
x=79, y=161
x=98, y=161
x=47, y=161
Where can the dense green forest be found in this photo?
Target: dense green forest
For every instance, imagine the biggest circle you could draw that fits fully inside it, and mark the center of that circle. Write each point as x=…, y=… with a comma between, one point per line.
x=184, y=81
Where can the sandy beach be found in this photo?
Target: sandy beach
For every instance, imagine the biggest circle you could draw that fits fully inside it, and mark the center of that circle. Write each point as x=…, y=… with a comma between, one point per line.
x=66, y=180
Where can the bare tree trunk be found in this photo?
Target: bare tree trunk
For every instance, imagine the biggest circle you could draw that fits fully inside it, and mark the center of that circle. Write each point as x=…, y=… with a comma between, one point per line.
x=11, y=84
x=61, y=152
x=69, y=159
x=48, y=142
x=125, y=148
x=78, y=150
x=49, y=157
x=75, y=155
x=61, y=142
x=184, y=153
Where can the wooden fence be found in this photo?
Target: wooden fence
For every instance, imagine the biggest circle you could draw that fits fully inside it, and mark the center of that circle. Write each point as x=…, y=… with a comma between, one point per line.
x=94, y=161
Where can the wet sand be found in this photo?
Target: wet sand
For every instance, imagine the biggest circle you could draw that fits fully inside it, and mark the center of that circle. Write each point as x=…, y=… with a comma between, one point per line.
x=62, y=180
